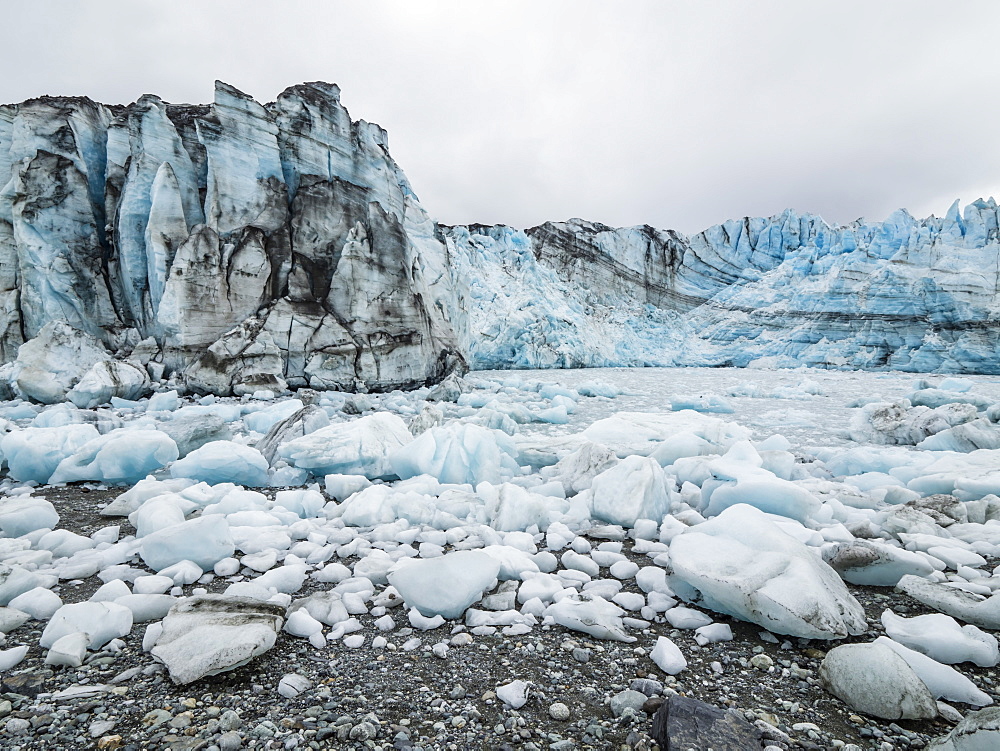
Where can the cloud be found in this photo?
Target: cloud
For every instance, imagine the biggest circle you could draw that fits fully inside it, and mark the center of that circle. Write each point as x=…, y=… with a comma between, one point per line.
x=673, y=114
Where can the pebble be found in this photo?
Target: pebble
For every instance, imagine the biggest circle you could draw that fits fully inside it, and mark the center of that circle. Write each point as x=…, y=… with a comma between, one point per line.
x=762, y=662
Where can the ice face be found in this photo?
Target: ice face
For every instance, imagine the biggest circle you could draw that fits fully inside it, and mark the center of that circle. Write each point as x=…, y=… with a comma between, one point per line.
x=177, y=222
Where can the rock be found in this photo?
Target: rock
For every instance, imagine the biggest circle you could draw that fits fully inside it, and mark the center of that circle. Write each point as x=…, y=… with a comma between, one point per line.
x=559, y=711
x=683, y=723
x=872, y=679
x=211, y=634
x=978, y=731
x=107, y=379
x=627, y=699
x=741, y=564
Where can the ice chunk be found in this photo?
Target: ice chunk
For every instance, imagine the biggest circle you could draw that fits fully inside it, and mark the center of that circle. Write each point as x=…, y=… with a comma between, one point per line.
x=214, y=633
x=969, y=607
x=11, y=658
x=164, y=401
x=359, y=447
x=34, y=453
x=509, y=507
x=48, y=365
x=205, y=541
x=577, y=470
x=741, y=564
x=458, y=453
x=11, y=619
x=223, y=461
x=342, y=487
x=263, y=420
x=121, y=457
x=101, y=621
x=936, y=635
x=633, y=489
x=713, y=632
x=40, y=603
x=447, y=585
x=513, y=694
x=702, y=403
x=141, y=492
x=874, y=563
x=147, y=607
x=20, y=515
x=873, y=679
x=590, y=614
x=668, y=656
x=681, y=617
x=943, y=682
x=303, y=503
x=628, y=433
x=108, y=379
x=70, y=650
x=16, y=580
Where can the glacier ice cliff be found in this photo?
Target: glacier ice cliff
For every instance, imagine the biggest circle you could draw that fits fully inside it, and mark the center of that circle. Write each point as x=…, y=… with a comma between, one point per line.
x=242, y=245
x=238, y=246
x=790, y=290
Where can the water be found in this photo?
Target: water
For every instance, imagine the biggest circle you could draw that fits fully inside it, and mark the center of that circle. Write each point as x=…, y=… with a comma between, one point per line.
x=805, y=419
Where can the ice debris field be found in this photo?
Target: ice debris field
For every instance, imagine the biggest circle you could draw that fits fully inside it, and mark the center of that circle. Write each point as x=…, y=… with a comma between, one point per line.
x=611, y=503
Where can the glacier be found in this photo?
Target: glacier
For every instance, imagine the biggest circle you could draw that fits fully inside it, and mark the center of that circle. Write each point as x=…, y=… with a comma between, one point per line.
x=239, y=247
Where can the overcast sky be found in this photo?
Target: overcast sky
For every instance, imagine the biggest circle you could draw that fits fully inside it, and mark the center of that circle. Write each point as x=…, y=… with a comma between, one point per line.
x=675, y=114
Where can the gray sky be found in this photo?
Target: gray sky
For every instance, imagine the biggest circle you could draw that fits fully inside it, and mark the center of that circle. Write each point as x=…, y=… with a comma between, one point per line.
x=675, y=114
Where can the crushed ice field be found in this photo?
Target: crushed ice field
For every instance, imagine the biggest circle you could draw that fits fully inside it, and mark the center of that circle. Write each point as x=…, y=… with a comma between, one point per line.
x=670, y=512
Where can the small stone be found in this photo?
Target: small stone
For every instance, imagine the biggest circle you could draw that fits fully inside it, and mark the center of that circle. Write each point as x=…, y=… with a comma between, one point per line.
x=154, y=718
x=110, y=743
x=230, y=720
x=17, y=725
x=761, y=662
x=457, y=692
x=230, y=741
x=559, y=711
x=581, y=655
x=100, y=727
